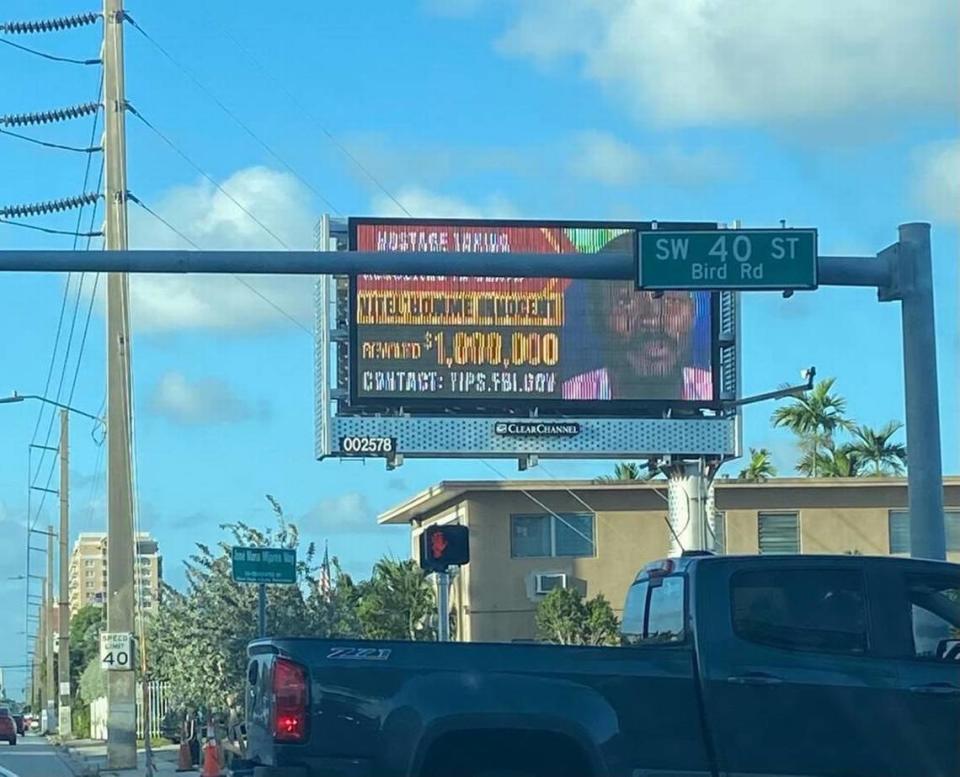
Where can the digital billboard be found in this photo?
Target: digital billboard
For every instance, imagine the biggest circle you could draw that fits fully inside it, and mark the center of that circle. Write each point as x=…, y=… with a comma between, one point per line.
x=560, y=345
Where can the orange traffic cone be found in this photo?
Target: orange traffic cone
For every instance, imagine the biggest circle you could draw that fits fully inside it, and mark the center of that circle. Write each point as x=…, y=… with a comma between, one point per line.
x=211, y=760
x=184, y=761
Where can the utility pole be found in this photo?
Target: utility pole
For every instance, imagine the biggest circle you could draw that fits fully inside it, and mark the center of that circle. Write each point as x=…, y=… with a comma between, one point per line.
x=40, y=655
x=49, y=692
x=63, y=658
x=121, y=715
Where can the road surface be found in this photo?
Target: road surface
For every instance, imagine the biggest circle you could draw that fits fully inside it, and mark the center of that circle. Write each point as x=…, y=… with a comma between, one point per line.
x=32, y=757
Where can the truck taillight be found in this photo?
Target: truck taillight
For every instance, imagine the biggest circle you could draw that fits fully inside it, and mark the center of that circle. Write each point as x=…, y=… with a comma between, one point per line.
x=290, y=701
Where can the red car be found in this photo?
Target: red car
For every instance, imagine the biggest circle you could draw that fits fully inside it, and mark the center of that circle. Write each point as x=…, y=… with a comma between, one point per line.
x=8, y=728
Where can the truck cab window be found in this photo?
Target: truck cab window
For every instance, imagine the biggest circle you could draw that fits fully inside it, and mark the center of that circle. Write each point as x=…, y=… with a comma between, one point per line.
x=634, y=613
x=801, y=609
x=654, y=613
x=935, y=618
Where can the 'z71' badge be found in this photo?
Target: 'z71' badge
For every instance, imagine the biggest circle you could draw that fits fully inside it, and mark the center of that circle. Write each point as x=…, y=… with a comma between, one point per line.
x=360, y=654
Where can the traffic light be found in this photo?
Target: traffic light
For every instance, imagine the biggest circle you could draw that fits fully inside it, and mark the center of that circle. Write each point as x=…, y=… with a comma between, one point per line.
x=444, y=546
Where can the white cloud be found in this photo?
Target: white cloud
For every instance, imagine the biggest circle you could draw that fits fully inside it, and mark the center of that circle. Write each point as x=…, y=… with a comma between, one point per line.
x=208, y=218
x=740, y=61
x=422, y=203
x=345, y=513
x=602, y=157
x=937, y=182
x=599, y=156
x=204, y=401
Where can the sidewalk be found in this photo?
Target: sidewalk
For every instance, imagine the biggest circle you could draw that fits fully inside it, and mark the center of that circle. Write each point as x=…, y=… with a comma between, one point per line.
x=90, y=758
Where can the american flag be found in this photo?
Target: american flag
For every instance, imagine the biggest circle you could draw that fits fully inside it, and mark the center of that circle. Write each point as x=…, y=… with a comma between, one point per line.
x=326, y=583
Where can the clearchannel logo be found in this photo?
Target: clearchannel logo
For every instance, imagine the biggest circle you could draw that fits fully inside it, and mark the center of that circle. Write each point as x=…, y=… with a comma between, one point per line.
x=536, y=428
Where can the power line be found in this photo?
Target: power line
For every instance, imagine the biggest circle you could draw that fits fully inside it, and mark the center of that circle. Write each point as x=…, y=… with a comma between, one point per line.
x=48, y=144
x=306, y=112
x=89, y=234
x=186, y=71
x=536, y=501
x=206, y=175
x=52, y=57
x=49, y=230
x=86, y=171
x=296, y=322
x=93, y=296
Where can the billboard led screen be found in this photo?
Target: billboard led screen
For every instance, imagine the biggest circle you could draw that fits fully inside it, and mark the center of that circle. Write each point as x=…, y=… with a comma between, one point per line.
x=492, y=342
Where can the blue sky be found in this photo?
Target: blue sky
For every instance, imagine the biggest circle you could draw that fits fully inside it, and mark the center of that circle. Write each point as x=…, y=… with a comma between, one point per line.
x=843, y=118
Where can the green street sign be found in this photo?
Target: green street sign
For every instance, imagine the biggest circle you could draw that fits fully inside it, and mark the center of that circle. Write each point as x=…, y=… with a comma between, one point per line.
x=264, y=565
x=738, y=259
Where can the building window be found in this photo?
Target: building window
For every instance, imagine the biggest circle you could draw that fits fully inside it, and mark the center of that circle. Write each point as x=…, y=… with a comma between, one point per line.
x=88, y=563
x=801, y=609
x=778, y=533
x=563, y=534
x=900, y=531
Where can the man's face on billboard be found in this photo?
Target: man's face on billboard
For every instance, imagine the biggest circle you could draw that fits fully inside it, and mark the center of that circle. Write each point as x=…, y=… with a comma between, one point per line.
x=654, y=332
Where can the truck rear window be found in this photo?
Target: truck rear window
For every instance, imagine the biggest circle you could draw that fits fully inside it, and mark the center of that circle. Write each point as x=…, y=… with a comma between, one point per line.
x=655, y=612
x=801, y=609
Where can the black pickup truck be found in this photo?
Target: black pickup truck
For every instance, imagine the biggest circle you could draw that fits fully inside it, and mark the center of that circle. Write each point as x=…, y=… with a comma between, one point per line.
x=839, y=666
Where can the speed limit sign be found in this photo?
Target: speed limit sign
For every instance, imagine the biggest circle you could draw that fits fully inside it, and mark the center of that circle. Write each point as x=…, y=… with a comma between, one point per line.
x=116, y=650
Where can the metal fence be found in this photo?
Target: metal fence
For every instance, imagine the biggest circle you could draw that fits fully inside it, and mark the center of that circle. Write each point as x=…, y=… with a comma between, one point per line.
x=158, y=699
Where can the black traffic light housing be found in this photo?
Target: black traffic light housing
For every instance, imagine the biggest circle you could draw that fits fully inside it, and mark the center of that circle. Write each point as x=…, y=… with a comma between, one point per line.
x=444, y=546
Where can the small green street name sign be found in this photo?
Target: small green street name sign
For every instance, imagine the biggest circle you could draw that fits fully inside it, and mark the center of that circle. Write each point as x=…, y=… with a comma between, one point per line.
x=264, y=565
x=736, y=259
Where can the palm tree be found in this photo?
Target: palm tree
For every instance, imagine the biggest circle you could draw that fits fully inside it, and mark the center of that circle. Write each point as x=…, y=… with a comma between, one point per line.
x=630, y=470
x=760, y=467
x=874, y=447
x=840, y=461
x=814, y=417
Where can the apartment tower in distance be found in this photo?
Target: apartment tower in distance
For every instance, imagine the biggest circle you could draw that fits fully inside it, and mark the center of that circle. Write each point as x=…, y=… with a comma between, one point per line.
x=88, y=571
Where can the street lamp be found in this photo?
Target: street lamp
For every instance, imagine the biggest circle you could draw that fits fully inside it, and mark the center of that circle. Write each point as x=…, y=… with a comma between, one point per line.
x=15, y=397
x=64, y=603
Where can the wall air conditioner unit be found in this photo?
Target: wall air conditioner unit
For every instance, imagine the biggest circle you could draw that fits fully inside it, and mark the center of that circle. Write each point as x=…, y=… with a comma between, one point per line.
x=547, y=582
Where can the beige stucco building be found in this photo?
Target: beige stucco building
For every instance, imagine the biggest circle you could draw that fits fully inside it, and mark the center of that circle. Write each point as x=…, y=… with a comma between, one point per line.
x=88, y=571
x=528, y=536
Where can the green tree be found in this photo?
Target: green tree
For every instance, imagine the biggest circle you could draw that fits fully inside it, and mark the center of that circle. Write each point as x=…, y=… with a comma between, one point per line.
x=566, y=618
x=631, y=470
x=93, y=682
x=85, y=627
x=760, y=466
x=197, y=641
x=397, y=602
x=831, y=461
x=876, y=450
x=815, y=417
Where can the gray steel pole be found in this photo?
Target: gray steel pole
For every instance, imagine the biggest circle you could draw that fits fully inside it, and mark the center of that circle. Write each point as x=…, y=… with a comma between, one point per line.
x=49, y=692
x=63, y=658
x=914, y=277
x=121, y=684
x=443, y=606
x=262, y=610
x=612, y=265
